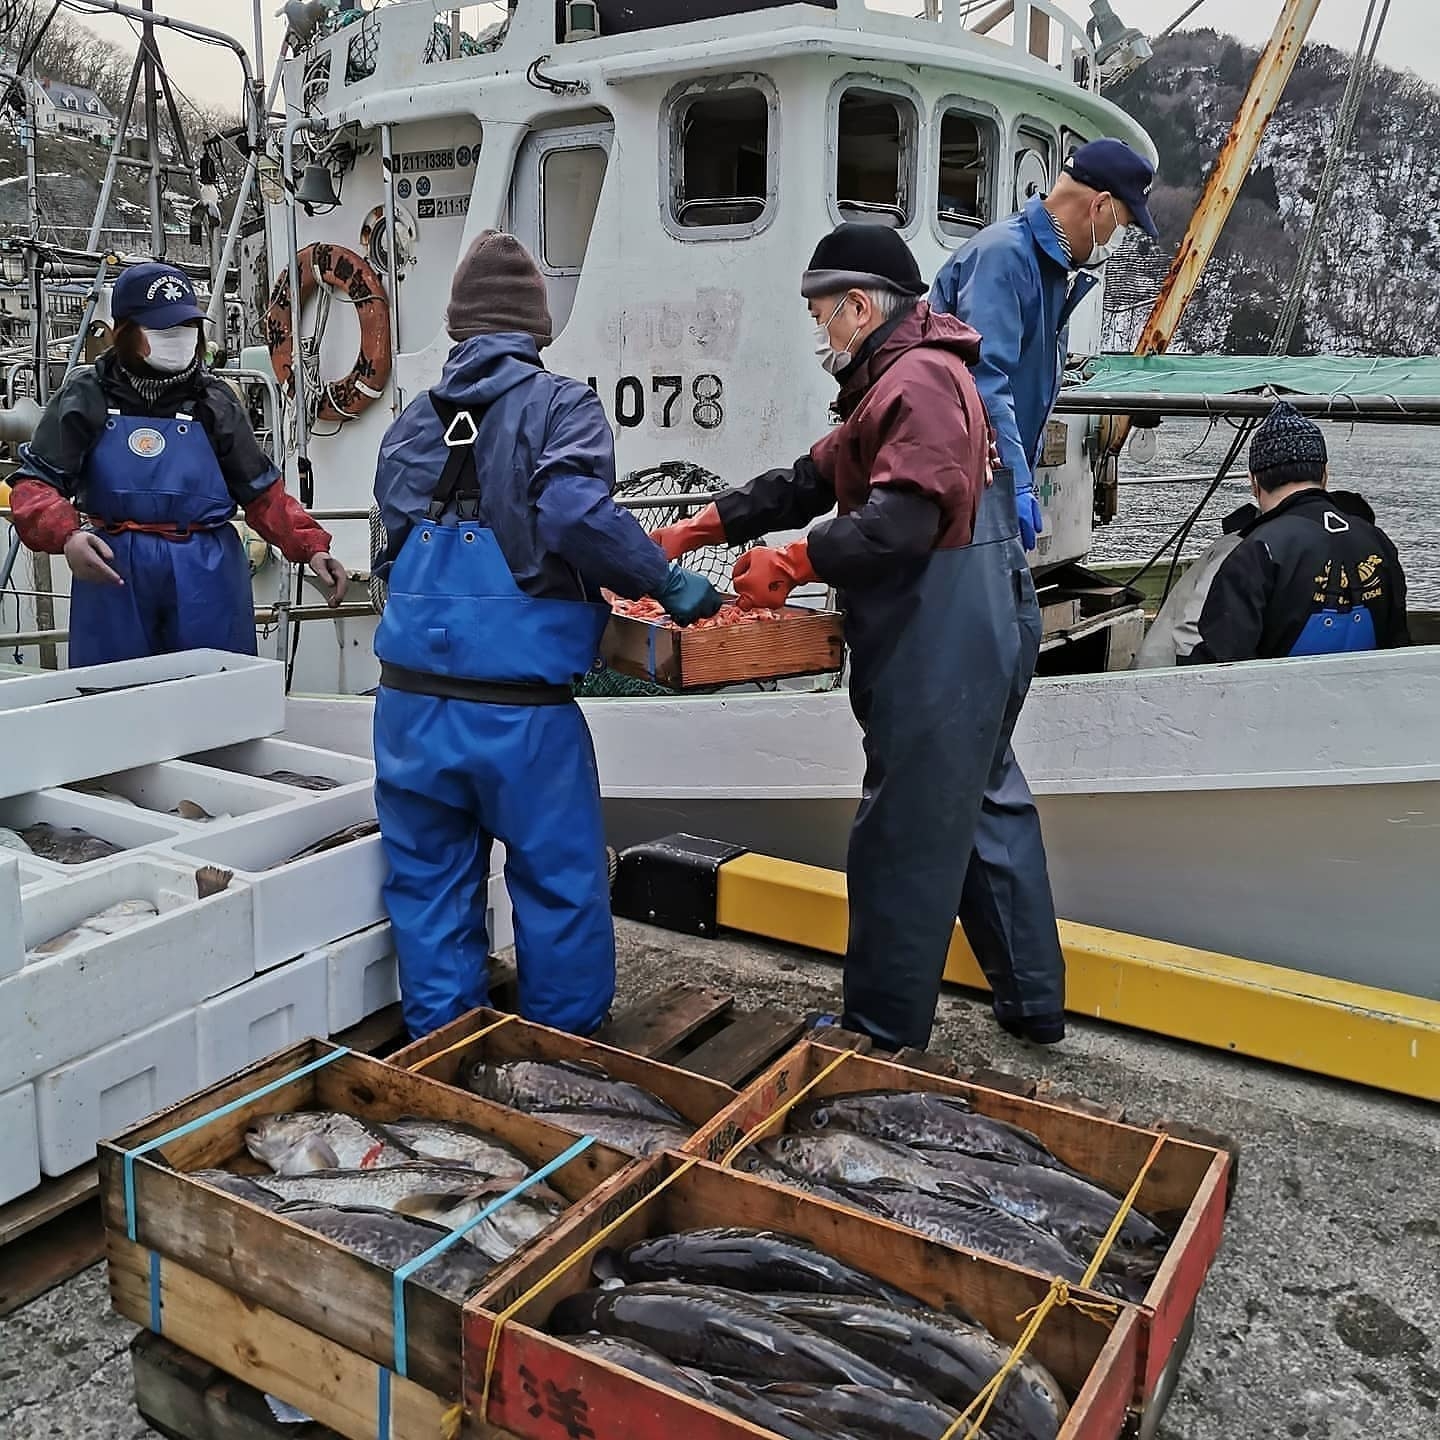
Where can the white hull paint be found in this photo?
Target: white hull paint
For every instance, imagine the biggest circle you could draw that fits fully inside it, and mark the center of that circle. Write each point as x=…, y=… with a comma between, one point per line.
x=1286, y=812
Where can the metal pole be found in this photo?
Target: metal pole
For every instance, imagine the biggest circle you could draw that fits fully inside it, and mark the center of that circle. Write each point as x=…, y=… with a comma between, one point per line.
x=152, y=135
x=392, y=264
x=122, y=128
x=1360, y=409
x=292, y=259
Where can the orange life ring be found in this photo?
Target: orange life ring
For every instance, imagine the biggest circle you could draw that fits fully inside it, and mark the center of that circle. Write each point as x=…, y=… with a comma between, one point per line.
x=354, y=276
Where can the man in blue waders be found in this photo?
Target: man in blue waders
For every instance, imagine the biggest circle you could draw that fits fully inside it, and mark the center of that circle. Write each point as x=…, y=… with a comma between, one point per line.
x=494, y=494
x=1018, y=283
x=135, y=472
x=1312, y=574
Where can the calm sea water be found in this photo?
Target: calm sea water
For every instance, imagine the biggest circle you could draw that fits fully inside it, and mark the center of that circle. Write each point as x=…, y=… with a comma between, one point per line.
x=1396, y=468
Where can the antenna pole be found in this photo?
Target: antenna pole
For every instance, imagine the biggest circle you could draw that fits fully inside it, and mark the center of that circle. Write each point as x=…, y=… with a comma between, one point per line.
x=152, y=136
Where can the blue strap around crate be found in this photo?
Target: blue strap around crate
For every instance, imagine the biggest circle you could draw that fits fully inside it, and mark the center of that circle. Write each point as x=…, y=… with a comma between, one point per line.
x=189, y=1128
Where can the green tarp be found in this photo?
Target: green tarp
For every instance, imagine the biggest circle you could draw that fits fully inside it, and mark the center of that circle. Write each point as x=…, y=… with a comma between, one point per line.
x=1230, y=374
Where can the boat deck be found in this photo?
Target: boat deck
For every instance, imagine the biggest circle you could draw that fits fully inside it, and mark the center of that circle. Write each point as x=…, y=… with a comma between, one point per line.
x=1320, y=1320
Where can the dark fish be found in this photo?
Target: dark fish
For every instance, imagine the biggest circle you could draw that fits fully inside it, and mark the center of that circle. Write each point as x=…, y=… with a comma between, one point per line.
x=566, y=1085
x=715, y=1330
x=68, y=846
x=240, y=1186
x=863, y=1412
x=301, y=782
x=630, y=1133
x=641, y=1360
x=947, y=1357
x=842, y=1158
x=392, y=1240
x=1075, y=1209
x=754, y=1163
x=358, y=831
x=752, y=1260
x=750, y=1404
x=918, y=1117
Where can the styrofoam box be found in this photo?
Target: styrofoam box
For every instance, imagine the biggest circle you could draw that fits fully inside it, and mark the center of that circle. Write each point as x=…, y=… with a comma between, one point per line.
x=306, y=903
x=12, y=947
x=363, y=975
x=54, y=1010
x=169, y=705
x=499, y=918
x=261, y=757
x=159, y=788
x=108, y=1091
x=263, y=1015
x=67, y=811
x=19, y=1144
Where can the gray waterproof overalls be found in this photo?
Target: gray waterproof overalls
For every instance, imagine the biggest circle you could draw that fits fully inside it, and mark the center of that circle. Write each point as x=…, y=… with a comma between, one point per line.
x=937, y=681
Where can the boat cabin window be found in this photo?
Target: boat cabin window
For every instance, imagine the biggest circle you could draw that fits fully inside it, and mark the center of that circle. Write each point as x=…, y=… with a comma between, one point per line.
x=1034, y=163
x=875, y=156
x=965, y=192
x=570, y=182
x=720, y=157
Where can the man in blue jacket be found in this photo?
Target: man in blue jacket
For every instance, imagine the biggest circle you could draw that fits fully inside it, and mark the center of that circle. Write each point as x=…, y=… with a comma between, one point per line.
x=1017, y=283
x=494, y=495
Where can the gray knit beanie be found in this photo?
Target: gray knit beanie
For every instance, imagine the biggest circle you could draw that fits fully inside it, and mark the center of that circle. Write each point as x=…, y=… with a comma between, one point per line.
x=498, y=289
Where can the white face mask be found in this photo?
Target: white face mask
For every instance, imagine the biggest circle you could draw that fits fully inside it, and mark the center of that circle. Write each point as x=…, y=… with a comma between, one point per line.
x=1101, y=252
x=831, y=359
x=170, y=350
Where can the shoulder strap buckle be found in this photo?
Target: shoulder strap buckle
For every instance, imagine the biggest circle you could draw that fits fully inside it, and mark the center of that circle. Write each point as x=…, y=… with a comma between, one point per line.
x=461, y=431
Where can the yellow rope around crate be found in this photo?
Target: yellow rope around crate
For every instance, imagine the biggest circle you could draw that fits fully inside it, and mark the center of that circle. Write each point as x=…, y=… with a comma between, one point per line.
x=1059, y=1294
x=480, y=1034
x=543, y=1284
x=746, y=1141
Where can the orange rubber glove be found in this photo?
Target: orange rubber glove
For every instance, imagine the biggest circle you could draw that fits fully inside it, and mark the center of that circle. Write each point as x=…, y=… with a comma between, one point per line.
x=765, y=577
x=696, y=533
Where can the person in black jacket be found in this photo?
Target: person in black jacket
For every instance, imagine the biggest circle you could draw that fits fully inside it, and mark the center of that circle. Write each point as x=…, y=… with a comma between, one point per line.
x=1313, y=574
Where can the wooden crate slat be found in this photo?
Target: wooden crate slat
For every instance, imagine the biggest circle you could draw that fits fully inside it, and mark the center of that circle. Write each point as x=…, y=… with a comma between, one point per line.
x=657, y=1025
x=748, y=1043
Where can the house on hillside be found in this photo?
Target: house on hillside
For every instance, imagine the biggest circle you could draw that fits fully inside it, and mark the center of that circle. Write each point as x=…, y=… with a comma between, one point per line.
x=62, y=109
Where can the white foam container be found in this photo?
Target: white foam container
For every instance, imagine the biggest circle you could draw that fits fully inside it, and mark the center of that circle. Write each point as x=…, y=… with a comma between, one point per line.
x=12, y=945
x=55, y=1010
x=259, y=757
x=157, y=789
x=108, y=1091
x=262, y=1016
x=193, y=700
x=363, y=975
x=68, y=811
x=306, y=903
x=19, y=1144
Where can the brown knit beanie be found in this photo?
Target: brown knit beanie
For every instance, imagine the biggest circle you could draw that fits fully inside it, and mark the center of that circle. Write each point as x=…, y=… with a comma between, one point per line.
x=498, y=289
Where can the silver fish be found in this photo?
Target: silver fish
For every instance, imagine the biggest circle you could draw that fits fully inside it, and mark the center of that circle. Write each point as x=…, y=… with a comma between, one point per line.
x=13, y=840
x=66, y=846
x=513, y=1225
x=445, y=1140
x=393, y=1240
x=919, y=1117
x=120, y=916
x=409, y=1189
x=241, y=1186
x=940, y=1353
x=566, y=1085
x=843, y=1158
x=298, y=1142
x=631, y=1134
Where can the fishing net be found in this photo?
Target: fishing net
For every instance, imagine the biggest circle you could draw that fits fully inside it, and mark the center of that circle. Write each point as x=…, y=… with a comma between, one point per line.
x=656, y=483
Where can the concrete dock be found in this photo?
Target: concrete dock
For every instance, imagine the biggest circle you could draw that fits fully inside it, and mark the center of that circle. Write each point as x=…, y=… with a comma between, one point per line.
x=1320, y=1320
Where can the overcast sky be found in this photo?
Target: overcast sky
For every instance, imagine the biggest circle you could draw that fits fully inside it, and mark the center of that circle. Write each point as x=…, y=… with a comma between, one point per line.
x=1411, y=37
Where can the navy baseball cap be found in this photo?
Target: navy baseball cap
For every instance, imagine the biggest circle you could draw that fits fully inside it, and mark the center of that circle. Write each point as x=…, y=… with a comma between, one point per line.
x=155, y=295
x=1112, y=165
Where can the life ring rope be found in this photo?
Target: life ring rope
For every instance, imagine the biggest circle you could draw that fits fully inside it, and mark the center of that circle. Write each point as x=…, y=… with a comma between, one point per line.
x=351, y=278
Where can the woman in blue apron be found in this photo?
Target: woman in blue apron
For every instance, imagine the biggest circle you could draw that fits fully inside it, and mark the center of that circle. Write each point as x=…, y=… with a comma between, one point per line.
x=135, y=472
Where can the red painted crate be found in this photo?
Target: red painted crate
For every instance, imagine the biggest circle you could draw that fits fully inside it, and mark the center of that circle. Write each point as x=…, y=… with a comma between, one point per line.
x=544, y=1389
x=1186, y=1178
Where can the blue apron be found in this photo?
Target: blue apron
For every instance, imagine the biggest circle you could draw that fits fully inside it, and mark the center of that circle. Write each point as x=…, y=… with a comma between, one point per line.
x=478, y=739
x=155, y=490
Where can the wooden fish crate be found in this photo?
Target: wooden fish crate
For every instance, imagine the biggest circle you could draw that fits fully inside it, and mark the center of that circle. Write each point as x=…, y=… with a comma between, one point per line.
x=510, y=1038
x=544, y=1389
x=1188, y=1180
x=276, y=1305
x=803, y=642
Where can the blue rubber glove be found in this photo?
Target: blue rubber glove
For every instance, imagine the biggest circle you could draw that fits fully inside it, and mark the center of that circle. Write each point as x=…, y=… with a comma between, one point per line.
x=687, y=596
x=1032, y=522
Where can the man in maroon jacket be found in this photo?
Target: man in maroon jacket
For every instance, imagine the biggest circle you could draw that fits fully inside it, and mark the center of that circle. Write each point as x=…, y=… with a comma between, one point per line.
x=940, y=618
